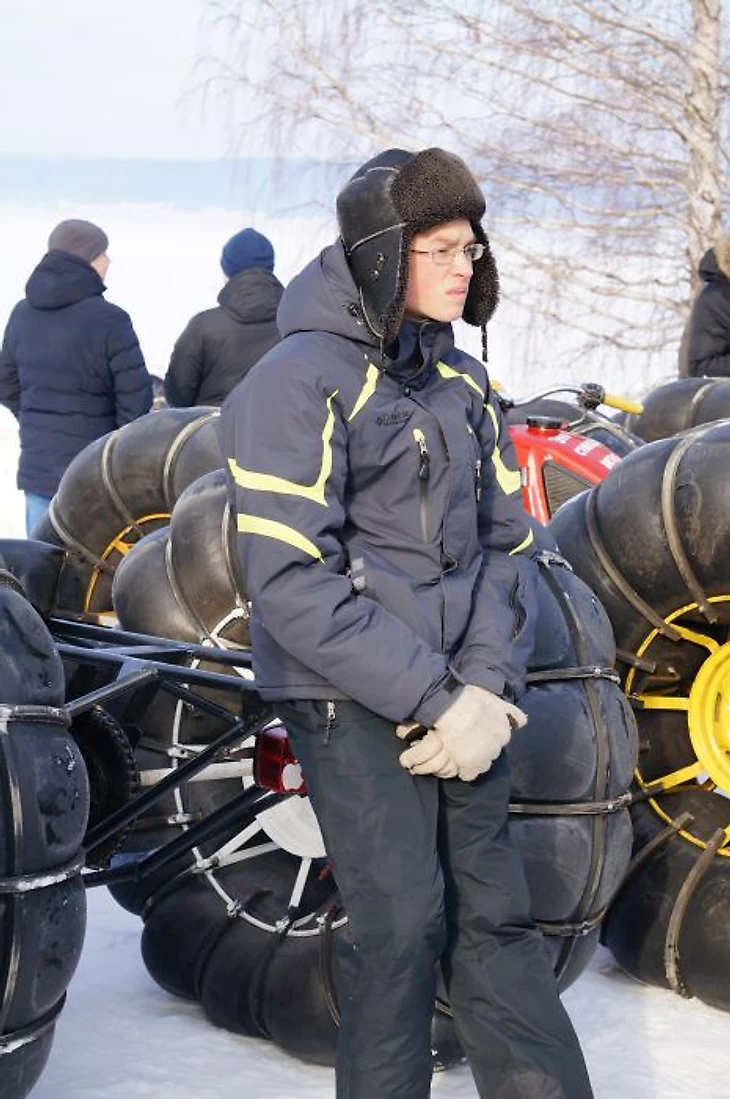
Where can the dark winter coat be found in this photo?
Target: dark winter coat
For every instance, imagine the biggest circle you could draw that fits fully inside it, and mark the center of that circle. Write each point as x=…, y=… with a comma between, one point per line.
x=221, y=344
x=382, y=534
x=71, y=369
x=708, y=350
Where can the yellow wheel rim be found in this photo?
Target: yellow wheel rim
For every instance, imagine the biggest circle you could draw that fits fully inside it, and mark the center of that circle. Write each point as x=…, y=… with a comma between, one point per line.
x=709, y=716
x=122, y=543
x=706, y=707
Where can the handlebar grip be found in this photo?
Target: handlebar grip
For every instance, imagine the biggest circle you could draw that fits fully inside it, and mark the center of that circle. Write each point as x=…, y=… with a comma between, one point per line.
x=622, y=403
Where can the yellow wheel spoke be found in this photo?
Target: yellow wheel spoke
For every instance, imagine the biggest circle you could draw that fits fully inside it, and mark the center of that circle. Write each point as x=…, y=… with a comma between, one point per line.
x=676, y=778
x=118, y=546
x=703, y=639
x=662, y=702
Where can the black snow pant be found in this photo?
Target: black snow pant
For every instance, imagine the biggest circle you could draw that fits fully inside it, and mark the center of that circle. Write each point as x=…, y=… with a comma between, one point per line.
x=428, y=873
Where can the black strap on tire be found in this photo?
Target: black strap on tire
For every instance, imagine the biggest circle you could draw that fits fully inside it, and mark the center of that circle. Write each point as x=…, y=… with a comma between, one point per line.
x=672, y=966
x=255, y=997
x=326, y=966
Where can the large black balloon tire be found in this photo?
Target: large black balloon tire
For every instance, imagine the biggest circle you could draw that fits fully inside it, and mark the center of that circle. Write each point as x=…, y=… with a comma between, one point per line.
x=44, y=805
x=249, y=930
x=680, y=405
x=120, y=488
x=653, y=542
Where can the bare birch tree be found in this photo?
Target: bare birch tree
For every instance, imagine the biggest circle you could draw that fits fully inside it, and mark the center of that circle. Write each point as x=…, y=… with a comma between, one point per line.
x=596, y=127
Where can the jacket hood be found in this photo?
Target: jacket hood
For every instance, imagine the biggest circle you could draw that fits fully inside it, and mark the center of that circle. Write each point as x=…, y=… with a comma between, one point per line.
x=715, y=264
x=323, y=298
x=61, y=279
x=251, y=296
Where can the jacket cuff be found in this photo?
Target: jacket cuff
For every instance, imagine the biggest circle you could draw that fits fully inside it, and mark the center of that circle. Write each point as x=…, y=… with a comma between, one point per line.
x=489, y=678
x=437, y=701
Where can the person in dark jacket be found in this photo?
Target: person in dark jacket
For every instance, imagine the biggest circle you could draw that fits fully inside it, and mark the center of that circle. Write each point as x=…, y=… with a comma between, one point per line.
x=393, y=584
x=71, y=368
x=219, y=345
x=708, y=343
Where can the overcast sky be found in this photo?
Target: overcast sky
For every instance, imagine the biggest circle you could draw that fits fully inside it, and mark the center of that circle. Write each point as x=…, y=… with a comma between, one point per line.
x=106, y=78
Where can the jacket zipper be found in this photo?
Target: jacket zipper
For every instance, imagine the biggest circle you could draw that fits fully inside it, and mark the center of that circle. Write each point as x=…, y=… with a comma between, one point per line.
x=424, y=472
x=478, y=466
x=331, y=718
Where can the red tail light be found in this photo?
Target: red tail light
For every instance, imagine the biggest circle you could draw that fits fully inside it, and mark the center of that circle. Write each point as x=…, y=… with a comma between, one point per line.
x=274, y=764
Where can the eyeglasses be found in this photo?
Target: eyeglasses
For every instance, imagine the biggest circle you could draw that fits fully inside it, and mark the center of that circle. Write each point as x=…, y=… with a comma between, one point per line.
x=444, y=257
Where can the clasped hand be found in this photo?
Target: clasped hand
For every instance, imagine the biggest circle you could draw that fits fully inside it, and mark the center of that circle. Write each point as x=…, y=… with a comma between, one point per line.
x=466, y=739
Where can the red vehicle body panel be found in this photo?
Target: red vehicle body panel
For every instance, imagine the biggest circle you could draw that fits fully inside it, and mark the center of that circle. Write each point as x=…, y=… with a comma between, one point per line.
x=544, y=452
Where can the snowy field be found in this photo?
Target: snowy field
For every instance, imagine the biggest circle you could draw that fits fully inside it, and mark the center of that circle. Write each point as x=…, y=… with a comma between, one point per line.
x=121, y=1036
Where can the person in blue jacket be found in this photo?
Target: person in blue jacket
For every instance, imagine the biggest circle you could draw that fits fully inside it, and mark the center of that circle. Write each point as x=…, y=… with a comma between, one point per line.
x=71, y=368
x=390, y=569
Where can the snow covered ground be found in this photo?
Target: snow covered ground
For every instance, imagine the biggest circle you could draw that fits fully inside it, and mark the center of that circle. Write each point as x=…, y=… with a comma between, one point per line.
x=121, y=1037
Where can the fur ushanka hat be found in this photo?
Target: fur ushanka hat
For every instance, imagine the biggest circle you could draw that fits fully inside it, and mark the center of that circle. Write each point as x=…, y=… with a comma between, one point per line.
x=384, y=205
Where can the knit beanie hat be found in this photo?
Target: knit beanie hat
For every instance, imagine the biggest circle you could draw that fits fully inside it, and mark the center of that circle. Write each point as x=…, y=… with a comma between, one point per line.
x=80, y=238
x=390, y=199
x=247, y=249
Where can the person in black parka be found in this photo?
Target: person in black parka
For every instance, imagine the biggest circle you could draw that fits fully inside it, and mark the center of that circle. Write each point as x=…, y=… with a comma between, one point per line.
x=221, y=344
x=708, y=348
x=71, y=368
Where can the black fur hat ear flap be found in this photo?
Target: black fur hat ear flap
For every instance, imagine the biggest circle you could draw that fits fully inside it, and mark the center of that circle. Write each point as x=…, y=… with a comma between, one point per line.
x=483, y=296
x=385, y=204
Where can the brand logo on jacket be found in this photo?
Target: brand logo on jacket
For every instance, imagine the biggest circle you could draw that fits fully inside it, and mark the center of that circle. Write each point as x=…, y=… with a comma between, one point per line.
x=394, y=419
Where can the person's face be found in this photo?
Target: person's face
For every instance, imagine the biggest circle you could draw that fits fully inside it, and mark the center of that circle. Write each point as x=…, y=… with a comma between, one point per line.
x=438, y=292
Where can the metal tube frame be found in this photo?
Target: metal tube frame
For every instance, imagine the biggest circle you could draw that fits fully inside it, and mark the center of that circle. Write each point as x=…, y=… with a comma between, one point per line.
x=141, y=660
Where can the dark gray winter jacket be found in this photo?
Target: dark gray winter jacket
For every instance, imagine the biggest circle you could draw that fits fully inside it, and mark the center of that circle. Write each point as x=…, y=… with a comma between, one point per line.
x=382, y=538
x=708, y=347
x=219, y=345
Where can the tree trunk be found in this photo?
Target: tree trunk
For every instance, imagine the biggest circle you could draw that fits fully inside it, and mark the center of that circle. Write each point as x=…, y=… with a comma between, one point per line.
x=702, y=114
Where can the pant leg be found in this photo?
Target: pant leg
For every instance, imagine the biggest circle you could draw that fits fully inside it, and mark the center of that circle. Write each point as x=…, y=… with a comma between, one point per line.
x=514, y=1029
x=36, y=507
x=379, y=827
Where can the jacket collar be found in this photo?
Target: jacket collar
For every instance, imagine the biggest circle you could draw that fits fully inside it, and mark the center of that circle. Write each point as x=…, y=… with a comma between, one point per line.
x=418, y=347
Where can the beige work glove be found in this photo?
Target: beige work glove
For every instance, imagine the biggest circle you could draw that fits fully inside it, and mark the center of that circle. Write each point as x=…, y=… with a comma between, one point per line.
x=470, y=734
x=427, y=755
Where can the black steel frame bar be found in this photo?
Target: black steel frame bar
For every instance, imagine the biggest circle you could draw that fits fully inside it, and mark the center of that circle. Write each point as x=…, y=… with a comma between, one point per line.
x=127, y=639
x=127, y=813
x=245, y=805
x=140, y=661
